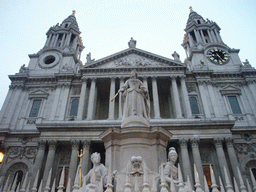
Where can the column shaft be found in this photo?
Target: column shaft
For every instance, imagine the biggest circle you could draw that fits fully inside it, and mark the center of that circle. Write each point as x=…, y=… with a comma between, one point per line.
x=86, y=157
x=64, y=101
x=49, y=160
x=204, y=99
x=185, y=160
x=56, y=102
x=221, y=158
x=202, y=35
x=39, y=160
x=252, y=88
x=111, y=112
x=155, y=98
x=185, y=98
x=81, y=106
x=210, y=36
x=232, y=157
x=91, y=104
x=73, y=162
x=176, y=98
x=197, y=159
x=214, y=102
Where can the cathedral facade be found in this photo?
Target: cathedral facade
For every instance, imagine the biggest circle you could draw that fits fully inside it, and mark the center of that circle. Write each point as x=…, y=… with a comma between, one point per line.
x=204, y=107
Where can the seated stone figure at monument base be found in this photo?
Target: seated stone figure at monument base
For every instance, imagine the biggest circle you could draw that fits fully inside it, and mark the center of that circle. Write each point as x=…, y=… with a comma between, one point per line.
x=135, y=103
x=97, y=176
x=169, y=167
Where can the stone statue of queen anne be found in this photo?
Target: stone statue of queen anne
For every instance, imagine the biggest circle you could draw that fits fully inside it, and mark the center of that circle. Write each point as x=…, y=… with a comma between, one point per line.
x=135, y=103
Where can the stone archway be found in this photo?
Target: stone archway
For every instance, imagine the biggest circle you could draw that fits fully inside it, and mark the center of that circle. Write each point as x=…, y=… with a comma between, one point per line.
x=15, y=168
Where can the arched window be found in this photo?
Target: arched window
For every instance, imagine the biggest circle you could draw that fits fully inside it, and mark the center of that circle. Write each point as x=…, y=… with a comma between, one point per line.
x=74, y=107
x=19, y=175
x=194, y=105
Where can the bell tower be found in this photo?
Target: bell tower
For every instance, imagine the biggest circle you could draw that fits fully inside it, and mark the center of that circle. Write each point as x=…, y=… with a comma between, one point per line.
x=205, y=48
x=62, y=50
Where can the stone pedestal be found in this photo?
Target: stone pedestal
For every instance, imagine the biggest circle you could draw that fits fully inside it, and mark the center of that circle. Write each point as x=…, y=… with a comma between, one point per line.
x=123, y=143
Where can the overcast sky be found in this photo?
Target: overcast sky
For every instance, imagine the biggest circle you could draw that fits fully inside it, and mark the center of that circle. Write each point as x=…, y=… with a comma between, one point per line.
x=107, y=26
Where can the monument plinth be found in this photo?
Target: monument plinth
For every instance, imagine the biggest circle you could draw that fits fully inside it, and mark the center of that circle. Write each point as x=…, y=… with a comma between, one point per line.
x=123, y=143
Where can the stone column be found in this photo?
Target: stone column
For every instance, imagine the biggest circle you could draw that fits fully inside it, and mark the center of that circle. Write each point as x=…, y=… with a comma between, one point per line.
x=210, y=36
x=197, y=36
x=213, y=36
x=145, y=82
x=38, y=161
x=120, y=98
x=6, y=104
x=155, y=98
x=176, y=98
x=202, y=35
x=221, y=157
x=81, y=106
x=185, y=98
x=49, y=160
x=48, y=39
x=218, y=35
x=52, y=40
x=91, y=104
x=111, y=111
x=63, y=40
x=213, y=99
x=75, y=43
x=86, y=157
x=232, y=157
x=13, y=107
x=190, y=39
x=204, y=99
x=197, y=159
x=73, y=161
x=185, y=160
x=55, y=102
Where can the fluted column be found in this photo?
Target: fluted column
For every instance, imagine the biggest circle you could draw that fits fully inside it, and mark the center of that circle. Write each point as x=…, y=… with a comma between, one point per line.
x=185, y=159
x=49, y=160
x=185, y=98
x=39, y=159
x=145, y=82
x=111, y=111
x=232, y=157
x=155, y=98
x=63, y=40
x=73, y=161
x=221, y=157
x=176, y=98
x=204, y=98
x=81, y=106
x=86, y=157
x=120, y=98
x=214, y=36
x=55, y=102
x=92, y=100
x=197, y=158
x=218, y=36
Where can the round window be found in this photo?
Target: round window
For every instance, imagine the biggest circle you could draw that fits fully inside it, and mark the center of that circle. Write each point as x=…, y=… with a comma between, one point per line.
x=49, y=59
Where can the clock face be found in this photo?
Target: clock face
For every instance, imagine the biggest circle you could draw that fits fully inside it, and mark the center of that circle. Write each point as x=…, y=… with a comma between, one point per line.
x=217, y=56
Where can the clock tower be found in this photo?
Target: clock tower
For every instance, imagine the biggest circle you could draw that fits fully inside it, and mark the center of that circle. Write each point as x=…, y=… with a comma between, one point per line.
x=205, y=49
x=61, y=52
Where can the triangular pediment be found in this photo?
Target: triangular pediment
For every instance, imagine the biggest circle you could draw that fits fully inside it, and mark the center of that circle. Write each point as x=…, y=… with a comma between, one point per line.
x=134, y=57
x=230, y=89
x=38, y=93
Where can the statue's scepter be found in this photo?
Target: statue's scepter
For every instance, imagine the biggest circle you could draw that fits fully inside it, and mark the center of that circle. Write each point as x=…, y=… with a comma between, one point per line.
x=81, y=157
x=115, y=96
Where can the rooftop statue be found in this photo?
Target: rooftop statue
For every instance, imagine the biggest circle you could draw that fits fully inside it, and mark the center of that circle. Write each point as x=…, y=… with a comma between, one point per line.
x=135, y=103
